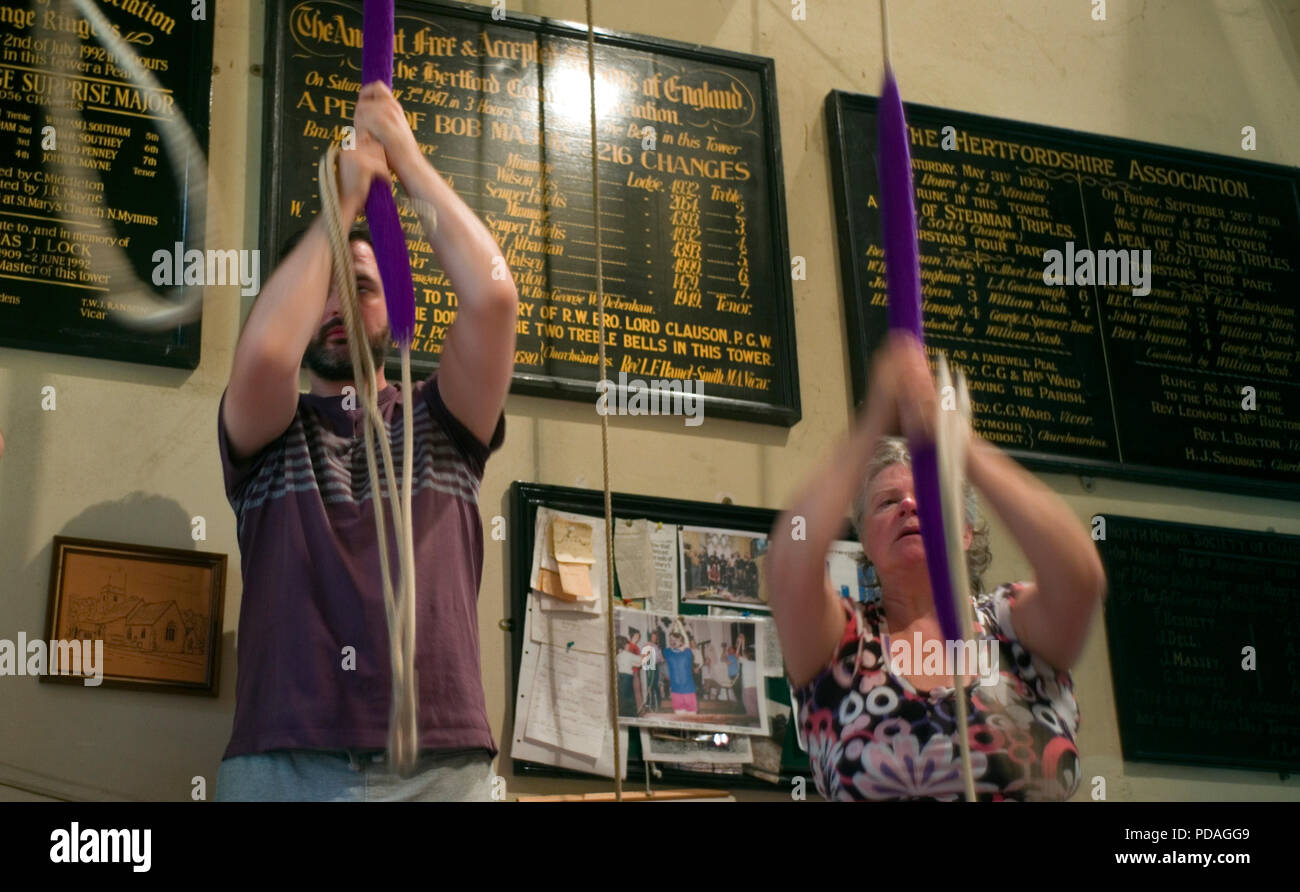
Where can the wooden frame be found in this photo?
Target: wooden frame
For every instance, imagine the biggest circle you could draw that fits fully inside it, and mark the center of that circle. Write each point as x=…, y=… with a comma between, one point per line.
x=781, y=406
x=51, y=317
x=632, y=796
x=117, y=593
x=855, y=275
x=525, y=499
x=1147, y=622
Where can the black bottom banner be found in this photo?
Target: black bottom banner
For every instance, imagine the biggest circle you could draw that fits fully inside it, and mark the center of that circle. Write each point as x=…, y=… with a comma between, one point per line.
x=135, y=841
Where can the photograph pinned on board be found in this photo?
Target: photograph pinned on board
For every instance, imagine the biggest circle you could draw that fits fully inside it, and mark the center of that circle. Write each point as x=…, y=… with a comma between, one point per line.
x=851, y=576
x=723, y=567
x=689, y=672
x=718, y=747
x=773, y=665
x=766, y=763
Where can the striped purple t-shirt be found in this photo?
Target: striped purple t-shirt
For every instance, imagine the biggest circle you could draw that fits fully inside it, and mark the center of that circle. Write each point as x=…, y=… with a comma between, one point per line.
x=310, y=562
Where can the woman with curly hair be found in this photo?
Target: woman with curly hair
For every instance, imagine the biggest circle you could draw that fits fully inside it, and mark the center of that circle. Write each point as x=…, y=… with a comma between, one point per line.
x=873, y=733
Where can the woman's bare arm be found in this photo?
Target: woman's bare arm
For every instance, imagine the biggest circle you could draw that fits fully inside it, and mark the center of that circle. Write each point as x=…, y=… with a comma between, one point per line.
x=808, y=619
x=1052, y=614
x=806, y=611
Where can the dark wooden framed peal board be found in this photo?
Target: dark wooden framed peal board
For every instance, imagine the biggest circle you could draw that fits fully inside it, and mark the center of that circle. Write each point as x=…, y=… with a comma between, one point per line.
x=1184, y=603
x=56, y=286
x=1080, y=377
x=525, y=499
x=694, y=247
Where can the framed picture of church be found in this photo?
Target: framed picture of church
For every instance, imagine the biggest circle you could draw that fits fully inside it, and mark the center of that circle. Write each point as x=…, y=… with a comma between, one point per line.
x=131, y=616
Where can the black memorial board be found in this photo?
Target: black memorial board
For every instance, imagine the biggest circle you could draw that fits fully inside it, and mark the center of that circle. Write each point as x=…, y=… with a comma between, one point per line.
x=1183, y=604
x=694, y=253
x=525, y=499
x=1084, y=378
x=56, y=284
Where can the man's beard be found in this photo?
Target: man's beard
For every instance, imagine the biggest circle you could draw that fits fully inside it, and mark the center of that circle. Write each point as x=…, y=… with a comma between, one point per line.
x=333, y=362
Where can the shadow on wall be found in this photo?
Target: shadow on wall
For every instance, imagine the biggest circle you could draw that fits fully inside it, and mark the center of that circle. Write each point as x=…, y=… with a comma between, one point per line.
x=28, y=428
x=147, y=513
x=125, y=723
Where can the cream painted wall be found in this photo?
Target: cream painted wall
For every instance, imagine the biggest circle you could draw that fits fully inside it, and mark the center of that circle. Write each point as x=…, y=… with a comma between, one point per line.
x=130, y=452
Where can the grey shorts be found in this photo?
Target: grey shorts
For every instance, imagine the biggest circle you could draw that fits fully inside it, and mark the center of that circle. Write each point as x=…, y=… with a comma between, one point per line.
x=354, y=776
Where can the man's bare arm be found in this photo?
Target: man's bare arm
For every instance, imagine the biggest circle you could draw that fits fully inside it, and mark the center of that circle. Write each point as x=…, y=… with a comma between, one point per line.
x=262, y=395
x=478, y=352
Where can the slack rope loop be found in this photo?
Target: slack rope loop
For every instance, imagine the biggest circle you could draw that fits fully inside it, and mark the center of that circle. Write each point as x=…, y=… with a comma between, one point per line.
x=381, y=210
x=938, y=494
x=135, y=304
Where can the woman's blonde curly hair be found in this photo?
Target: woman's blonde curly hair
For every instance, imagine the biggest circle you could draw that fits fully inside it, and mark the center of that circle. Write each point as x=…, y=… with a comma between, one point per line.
x=892, y=451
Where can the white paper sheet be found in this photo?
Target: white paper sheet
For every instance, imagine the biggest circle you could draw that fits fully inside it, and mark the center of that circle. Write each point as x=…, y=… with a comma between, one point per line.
x=547, y=754
x=568, y=707
x=633, y=559
x=558, y=627
x=663, y=545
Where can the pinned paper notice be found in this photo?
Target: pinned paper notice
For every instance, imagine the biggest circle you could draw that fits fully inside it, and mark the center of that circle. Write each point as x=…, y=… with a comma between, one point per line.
x=572, y=542
x=663, y=545
x=569, y=702
x=633, y=559
x=571, y=581
x=575, y=579
x=545, y=574
x=548, y=582
x=645, y=557
x=591, y=700
x=566, y=629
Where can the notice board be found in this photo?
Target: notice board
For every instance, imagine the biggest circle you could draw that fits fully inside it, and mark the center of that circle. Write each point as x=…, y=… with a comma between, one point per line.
x=526, y=499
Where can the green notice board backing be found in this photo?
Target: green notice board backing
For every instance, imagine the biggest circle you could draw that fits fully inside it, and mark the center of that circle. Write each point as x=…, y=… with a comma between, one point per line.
x=1203, y=625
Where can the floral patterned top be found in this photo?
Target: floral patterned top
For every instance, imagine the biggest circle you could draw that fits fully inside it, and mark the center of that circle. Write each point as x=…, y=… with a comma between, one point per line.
x=871, y=736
